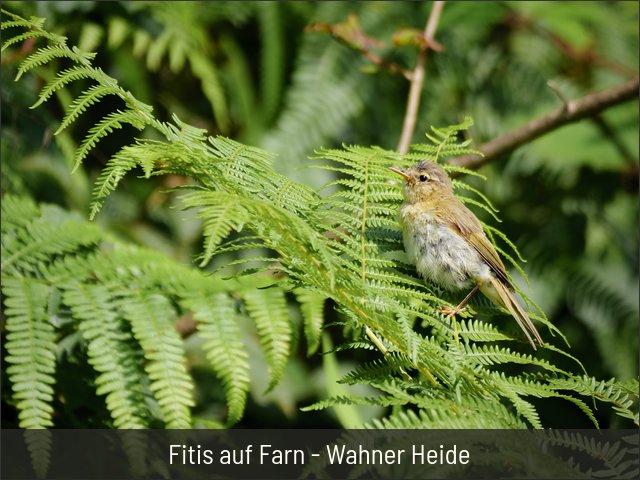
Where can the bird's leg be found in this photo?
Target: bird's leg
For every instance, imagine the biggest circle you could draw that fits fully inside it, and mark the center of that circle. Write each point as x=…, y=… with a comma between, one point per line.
x=453, y=312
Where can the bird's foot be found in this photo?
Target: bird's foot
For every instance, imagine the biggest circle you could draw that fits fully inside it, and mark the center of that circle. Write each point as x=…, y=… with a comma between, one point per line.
x=452, y=312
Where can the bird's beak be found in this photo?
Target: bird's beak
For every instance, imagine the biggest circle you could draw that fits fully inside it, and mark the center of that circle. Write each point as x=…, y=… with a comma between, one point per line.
x=400, y=172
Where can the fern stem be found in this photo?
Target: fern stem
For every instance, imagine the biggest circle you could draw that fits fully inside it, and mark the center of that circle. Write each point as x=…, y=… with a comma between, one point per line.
x=363, y=227
x=376, y=341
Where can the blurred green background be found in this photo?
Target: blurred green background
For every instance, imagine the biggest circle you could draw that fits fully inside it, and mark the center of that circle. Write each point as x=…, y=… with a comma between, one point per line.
x=250, y=71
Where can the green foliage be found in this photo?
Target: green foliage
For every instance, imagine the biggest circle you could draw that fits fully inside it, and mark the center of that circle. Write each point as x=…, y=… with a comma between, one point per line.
x=111, y=352
x=323, y=96
x=224, y=348
x=123, y=301
x=30, y=347
x=341, y=244
x=182, y=40
x=269, y=310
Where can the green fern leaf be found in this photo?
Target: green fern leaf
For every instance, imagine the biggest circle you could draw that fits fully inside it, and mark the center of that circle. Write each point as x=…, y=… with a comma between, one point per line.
x=80, y=104
x=33, y=23
x=47, y=54
x=218, y=219
x=67, y=76
x=268, y=308
x=492, y=355
x=151, y=317
x=312, y=307
x=113, y=121
x=17, y=213
x=30, y=350
x=24, y=249
x=111, y=354
x=216, y=316
x=117, y=167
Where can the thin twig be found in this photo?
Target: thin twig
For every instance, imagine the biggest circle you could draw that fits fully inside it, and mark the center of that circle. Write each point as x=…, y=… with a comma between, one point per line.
x=611, y=133
x=575, y=110
x=556, y=89
x=587, y=56
x=381, y=62
x=417, y=79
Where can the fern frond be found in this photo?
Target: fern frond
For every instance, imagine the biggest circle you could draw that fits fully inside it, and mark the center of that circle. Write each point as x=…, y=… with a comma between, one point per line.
x=113, y=121
x=268, y=308
x=494, y=231
x=404, y=419
x=464, y=171
x=91, y=96
x=30, y=348
x=281, y=231
x=464, y=186
x=481, y=205
x=17, y=213
x=312, y=308
x=479, y=331
x=47, y=54
x=611, y=454
x=206, y=71
x=353, y=400
x=67, y=76
x=606, y=391
x=111, y=353
x=122, y=162
x=217, y=326
x=582, y=406
x=23, y=249
x=151, y=317
x=524, y=408
x=33, y=24
x=386, y=367
x=494, y=355
x=445, y=415
x=183, y=39
x=325, y=93
x=218, y=219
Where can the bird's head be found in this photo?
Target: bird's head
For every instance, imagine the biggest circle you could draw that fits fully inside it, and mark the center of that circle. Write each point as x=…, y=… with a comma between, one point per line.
x=424, y=181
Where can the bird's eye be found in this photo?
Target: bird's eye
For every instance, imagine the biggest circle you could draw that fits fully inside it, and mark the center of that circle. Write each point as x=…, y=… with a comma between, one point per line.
x=423, y=178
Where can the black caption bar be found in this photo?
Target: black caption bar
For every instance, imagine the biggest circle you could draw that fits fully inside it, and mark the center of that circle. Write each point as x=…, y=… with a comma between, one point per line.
x=289, y=454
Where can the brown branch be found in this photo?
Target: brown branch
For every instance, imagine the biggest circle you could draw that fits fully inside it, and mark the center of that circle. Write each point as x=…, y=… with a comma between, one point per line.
x=350, y=34
x=417, y=79
x=573, y=111
x=381, y=62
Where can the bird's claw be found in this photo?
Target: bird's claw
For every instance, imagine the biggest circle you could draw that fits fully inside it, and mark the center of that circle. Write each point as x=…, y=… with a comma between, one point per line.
x=452, y=312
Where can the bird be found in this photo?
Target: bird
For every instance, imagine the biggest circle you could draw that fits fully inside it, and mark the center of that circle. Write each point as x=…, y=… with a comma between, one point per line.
x=447, y=244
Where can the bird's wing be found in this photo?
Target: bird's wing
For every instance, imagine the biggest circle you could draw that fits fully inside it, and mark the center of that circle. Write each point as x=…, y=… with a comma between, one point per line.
x=462, y=221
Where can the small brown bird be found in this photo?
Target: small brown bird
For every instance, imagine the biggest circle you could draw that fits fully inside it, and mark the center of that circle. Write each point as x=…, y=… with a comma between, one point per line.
x=445, y=241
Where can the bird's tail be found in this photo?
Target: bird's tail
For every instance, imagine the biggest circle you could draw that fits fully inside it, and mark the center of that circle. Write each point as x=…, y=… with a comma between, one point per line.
x=504, y=297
